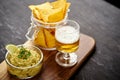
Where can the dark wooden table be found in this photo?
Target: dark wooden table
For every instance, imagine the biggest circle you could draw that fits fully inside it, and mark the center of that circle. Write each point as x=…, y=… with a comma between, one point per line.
x=97, y=18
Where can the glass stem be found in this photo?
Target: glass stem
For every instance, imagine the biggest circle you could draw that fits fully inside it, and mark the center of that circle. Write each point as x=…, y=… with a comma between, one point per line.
x=66, y=56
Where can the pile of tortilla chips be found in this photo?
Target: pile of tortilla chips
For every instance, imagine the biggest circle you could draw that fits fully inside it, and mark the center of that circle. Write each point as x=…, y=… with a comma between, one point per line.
x=45, y=38
x=50, y=11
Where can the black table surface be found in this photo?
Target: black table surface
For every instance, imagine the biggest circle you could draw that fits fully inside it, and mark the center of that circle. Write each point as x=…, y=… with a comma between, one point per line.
x=97, y=18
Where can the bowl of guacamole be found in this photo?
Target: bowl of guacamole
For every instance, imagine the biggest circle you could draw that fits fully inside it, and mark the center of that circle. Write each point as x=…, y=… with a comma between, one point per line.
x=23, y=61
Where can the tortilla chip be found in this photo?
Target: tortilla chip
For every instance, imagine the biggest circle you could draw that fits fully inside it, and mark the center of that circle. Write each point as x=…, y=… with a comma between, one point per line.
x=50, y=12
x=56, y=15
x=50, y=39
x=39, y=38
x=46, y=5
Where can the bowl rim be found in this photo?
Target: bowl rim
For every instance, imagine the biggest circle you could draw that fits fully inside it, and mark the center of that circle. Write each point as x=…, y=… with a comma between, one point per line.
x=41, y=59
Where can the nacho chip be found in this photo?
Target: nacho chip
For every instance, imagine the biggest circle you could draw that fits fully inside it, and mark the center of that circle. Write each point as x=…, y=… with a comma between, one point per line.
x=50, y=39
x=59, y=4
x=56, y=15
x=45, y=14
x=46, y=5
x=62, y=7
x=50, y=12
x=36, y=14
x=67, y=7
x=40, y=10
x=40, y=38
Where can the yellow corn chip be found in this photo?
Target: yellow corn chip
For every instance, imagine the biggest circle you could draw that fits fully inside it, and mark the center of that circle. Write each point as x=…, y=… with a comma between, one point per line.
x=56, y=15
x=40, y=38
x=40, y=10
x=61, y=5
x=58, y=3
x=50, y=12
x=66, y=8
x=50, y=39
x=32, y=7
x=36, y=13
x=45, y=13
x=46, y=5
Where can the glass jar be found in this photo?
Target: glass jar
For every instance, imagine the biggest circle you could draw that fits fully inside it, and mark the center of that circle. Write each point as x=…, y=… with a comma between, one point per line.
x=42, y=33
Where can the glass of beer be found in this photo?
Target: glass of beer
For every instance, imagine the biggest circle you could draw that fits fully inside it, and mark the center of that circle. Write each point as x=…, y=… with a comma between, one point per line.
x=67, y=42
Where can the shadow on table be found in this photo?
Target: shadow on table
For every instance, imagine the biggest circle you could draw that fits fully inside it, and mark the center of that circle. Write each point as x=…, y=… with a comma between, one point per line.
x=79, y=77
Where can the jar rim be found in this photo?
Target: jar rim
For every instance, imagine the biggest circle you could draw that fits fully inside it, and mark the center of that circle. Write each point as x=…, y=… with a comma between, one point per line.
x=49, y=23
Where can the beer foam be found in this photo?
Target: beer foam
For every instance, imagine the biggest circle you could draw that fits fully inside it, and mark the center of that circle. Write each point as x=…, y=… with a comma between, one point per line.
x=67, y=35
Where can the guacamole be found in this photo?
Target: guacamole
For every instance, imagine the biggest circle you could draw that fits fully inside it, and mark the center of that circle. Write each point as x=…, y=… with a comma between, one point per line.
x=25, y=62
x=24, y=57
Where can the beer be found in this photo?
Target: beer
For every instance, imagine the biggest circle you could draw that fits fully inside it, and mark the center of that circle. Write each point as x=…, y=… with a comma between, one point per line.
x=67, y=39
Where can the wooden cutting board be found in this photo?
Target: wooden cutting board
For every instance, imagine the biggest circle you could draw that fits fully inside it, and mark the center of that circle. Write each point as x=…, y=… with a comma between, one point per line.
x=51, y=70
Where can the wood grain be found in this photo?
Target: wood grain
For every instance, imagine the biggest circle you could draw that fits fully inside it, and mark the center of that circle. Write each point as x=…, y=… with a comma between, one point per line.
x=51, y=70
